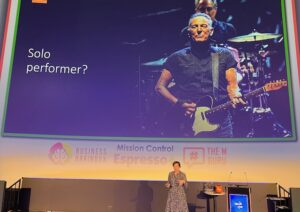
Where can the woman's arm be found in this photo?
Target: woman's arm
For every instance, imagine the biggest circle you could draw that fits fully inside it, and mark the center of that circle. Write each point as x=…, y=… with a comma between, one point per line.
x=168, y=184
x=185, y=182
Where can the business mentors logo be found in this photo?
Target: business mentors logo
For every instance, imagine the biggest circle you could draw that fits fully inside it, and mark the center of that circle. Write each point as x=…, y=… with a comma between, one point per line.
x=60, y=153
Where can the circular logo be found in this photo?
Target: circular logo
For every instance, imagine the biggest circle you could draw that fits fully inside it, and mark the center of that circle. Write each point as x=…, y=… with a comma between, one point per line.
x=60, y=153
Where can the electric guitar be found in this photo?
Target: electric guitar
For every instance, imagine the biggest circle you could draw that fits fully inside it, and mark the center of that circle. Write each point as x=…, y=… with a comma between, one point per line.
x=206, y=109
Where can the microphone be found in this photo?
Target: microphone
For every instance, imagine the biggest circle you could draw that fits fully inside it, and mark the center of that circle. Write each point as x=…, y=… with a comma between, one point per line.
x=229, y=179
x=229, y=176
x=246, y=177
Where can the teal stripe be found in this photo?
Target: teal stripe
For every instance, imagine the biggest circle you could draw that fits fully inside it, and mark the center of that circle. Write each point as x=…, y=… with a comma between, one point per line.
x=11, y=64
x=109, y=138
x=288, y=69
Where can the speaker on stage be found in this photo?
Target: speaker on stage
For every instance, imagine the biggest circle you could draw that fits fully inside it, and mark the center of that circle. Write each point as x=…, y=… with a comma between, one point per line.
x=2, y=192
x=295, y=199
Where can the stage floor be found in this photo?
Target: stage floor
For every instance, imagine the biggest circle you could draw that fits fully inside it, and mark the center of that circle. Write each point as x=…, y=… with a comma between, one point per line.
x=84, y=195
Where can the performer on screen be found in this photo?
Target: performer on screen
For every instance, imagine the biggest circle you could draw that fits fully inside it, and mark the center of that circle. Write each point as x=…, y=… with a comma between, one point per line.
x=222, y=30
x=198, y=71
x=177, y=183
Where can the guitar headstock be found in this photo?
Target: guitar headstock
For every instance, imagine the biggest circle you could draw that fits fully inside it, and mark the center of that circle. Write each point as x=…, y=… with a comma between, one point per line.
x=273, y=86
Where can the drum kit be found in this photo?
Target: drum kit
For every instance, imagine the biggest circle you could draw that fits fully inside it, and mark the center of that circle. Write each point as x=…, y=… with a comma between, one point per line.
x=252, y=55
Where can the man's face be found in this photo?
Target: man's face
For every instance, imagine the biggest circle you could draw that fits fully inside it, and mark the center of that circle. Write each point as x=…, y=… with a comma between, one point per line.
x=199, y=29
x=207, y=7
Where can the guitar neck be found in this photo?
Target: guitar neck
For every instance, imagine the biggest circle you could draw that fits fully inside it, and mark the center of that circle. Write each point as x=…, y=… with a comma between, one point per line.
x=228, y=104
x=254, y=93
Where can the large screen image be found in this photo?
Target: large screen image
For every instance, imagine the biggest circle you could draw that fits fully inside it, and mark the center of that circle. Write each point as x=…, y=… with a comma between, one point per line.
x=151, y=70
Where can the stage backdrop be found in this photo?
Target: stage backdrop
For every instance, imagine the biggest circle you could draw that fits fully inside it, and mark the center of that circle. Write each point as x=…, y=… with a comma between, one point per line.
x=78, y=101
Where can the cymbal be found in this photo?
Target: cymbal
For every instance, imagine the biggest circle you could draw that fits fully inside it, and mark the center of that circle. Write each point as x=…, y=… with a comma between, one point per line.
x=155, y=63
x=254, y=36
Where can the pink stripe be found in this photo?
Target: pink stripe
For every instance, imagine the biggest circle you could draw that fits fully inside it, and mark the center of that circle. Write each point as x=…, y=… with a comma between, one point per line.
x=296, y=37
x=4, y=37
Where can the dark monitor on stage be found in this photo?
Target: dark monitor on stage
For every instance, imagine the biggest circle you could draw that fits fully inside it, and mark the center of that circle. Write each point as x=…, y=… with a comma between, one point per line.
x=2, y=192
x=295, y=199
x=239, y=199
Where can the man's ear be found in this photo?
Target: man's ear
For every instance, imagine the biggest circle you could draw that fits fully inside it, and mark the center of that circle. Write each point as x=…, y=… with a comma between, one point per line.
x=211, y=32
x=188, y=32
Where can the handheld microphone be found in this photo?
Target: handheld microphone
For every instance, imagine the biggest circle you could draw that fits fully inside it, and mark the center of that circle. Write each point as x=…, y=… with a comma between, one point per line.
x=246, y=177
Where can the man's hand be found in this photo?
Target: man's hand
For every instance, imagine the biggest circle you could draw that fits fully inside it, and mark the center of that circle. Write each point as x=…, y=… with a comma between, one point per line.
x=233, y=88
x=236, y=98
x=189, y=107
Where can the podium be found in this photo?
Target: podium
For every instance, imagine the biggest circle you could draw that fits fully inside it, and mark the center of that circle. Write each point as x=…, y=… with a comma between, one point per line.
x=239, y=199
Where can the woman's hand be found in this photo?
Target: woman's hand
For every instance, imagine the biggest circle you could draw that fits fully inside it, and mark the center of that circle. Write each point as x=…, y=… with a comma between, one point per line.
x=168, y=185
x=181, y=182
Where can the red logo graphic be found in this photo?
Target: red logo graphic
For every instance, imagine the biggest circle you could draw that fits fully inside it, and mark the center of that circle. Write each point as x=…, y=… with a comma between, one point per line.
x=193, y=155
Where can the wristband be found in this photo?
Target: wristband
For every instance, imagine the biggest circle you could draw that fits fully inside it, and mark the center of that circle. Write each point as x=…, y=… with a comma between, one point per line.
x=180, y=102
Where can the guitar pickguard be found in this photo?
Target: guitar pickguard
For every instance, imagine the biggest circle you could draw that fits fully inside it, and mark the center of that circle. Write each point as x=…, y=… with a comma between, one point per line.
x=201, y=123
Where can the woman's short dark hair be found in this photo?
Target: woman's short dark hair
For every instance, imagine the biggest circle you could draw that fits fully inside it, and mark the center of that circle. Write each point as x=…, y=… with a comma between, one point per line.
x=177, y=162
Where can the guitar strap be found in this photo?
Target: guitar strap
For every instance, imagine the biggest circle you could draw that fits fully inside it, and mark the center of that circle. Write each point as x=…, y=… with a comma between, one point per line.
x=215, y=74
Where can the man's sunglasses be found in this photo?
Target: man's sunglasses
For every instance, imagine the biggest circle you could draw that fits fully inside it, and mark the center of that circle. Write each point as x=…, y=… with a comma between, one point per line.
x=204, y=9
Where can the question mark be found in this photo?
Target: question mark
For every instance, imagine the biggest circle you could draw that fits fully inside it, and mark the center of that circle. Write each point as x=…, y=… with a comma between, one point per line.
x=84, y=69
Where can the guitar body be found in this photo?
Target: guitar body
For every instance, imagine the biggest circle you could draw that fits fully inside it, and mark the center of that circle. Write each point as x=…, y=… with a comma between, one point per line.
x=201, y=122
x=208, y=118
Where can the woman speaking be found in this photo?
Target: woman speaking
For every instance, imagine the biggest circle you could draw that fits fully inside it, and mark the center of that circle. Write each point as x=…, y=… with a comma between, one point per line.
x=176, y=184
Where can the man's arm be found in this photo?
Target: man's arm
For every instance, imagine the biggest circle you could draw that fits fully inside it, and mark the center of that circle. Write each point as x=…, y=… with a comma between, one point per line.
x=233, y=89
x=162, y=88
